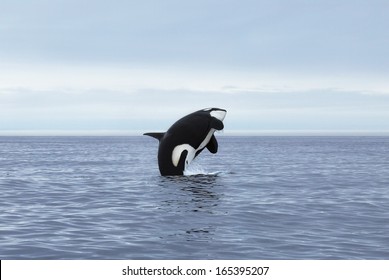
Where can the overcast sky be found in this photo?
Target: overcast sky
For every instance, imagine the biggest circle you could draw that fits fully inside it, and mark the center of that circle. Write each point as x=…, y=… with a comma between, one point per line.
x=122, y=67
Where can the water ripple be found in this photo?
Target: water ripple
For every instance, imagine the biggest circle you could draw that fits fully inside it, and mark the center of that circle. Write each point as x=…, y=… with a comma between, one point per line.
x=273, y=198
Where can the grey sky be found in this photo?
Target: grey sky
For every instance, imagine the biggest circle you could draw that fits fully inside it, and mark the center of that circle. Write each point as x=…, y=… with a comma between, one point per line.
x=125, y=66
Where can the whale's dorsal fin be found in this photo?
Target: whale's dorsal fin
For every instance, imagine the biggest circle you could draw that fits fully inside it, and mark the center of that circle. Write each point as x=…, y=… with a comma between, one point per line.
x=156, y=135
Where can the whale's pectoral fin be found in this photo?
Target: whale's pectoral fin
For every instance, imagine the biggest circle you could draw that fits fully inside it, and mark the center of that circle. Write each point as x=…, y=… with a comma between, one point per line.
x=213, y=145
x=217, y=124
x=181, y=163
x=156, y=135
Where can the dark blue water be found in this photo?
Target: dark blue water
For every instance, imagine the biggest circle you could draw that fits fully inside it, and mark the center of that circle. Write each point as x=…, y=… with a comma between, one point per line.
x=258, y=198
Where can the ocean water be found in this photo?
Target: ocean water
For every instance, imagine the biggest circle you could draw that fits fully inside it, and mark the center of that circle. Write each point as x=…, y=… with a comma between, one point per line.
x=257, y=198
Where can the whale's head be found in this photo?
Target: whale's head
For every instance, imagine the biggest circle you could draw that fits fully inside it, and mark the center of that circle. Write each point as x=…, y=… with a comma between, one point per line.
x=217, y=113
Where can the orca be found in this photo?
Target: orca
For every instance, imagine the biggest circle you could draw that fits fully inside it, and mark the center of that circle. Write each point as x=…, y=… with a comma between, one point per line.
x=187, y=138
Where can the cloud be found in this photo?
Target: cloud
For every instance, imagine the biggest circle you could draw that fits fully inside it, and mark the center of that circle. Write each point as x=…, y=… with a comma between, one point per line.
x=321, y=37
x=109, y=98
x=134, y=65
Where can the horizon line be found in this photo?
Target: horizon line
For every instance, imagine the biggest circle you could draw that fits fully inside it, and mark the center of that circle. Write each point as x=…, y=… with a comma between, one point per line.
x=101, y=133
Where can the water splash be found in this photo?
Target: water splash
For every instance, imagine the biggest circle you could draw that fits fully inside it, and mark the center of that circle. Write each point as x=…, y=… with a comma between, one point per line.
x=196, y=169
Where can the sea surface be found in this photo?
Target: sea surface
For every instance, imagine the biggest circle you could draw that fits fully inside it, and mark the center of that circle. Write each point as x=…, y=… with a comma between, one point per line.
x=257, y=198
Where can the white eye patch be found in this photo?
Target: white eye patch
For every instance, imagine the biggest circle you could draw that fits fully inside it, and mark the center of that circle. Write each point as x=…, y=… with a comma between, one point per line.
x=220, y=115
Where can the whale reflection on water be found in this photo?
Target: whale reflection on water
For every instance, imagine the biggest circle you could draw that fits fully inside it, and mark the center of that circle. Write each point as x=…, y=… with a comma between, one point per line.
x=196, y=199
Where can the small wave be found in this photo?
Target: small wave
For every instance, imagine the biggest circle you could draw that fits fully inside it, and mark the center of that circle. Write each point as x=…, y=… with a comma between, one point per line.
x=195, y=169
x=196, y=173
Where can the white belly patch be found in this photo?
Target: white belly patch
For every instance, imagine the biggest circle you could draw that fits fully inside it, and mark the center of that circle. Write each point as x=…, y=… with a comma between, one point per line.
x=176, y=154
x=178, y=151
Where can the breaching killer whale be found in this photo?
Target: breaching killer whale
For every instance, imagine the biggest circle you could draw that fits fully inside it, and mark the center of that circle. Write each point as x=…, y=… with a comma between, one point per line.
x=187, y=138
